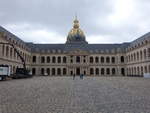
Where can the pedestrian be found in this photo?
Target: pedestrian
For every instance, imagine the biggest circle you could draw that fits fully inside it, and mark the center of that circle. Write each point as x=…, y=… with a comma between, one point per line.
x=74, y=76
x=82, y=76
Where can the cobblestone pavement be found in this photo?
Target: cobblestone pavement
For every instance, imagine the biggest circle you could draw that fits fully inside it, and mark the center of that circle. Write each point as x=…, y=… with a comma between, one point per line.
x=65, y=95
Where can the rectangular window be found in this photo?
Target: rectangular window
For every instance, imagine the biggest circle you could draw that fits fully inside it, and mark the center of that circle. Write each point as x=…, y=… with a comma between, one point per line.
x=3, y=49
x=34, y=59
x=148, y=52
x=42, y=59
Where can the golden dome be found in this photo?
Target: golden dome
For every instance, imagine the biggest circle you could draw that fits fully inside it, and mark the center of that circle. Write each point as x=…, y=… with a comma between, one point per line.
x=76, y=34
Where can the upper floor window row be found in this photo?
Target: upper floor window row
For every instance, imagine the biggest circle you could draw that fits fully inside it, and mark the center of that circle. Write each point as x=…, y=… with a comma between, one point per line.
x=49, y=59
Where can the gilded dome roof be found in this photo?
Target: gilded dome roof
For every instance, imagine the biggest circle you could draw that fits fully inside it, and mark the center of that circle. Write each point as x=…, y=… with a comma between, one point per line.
x=76, y=35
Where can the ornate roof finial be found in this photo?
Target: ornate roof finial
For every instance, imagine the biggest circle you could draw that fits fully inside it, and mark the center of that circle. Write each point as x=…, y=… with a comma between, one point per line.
x=76, y=22
x=76, y=16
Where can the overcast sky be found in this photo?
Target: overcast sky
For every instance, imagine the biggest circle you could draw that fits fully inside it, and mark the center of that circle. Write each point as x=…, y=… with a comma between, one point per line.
x=49, y=21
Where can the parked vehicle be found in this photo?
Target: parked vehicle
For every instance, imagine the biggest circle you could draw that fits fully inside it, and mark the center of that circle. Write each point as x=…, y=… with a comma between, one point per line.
x=4, y=72
x=146, y=75
x=20, y=72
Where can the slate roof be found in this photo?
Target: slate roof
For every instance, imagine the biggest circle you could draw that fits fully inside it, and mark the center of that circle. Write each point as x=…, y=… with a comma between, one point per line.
x=40, y=47
x=10, y=35
x=140, y=39
x=70, y=47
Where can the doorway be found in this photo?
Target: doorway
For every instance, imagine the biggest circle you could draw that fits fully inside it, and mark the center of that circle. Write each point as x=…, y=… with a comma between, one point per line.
x=78, y=71
x=123, y=71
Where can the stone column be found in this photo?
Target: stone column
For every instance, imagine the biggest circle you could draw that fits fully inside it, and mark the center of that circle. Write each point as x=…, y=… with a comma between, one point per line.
x=74, y=59
x=5, y=51
x=118, y=72
x=148, y=52
x=87, y=71
x=81, y=59
x=39, y=59
x=13, y=52
x=1, y=54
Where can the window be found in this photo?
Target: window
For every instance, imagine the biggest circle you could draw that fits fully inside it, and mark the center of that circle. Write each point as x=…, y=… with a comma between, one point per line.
x=131, y=57
x=59, y=59
x=53, y=71
x=33, y=71
x=145, y=69
x=11, y=52
x=25, y=57
x=64, y=59
x=131, y=70
x=84, y=60
x=148, y=52
x=84, y=72
x=102, y=71
x=102, y=59
x=71, y=59
x=141, y=55
x=96, y=59
x=91, y=59
x=137, y=55
x=108, y=71
x=34, y=59
x=42, y=59
x=134, y=57
x=113, y=59
x=97, y=71
x=91, y=71
x=3, y=50
x=122, y=59
x=142, y=71
x=134, y=70
x=144, y=53
x=53, y=59
x=107, y=59
x=78, y=59
x=7, y=50
x=122, y=71
x=48, y=59
x=113, y=71
x=71, y=72
x=15, y=54
x=14, y=69
x=59, y=71
x=138, y=71
x=48, y=71
x=42, y=71
x=64, y=71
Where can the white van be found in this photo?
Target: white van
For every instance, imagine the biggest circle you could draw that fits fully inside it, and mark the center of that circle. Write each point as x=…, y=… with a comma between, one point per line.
x=4, y=72
x=146, y=75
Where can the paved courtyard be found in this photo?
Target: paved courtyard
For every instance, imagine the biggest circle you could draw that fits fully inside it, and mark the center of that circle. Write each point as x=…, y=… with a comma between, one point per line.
x=64, y=95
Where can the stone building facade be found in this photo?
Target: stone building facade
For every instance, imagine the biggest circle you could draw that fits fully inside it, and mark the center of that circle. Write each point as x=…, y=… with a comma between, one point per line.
x=76, y=56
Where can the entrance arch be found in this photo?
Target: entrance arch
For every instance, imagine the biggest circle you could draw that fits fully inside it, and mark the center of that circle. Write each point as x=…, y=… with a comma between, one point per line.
x=78, y=71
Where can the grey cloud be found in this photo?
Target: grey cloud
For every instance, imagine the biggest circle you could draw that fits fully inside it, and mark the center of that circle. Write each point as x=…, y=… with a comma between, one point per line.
x=57, y=15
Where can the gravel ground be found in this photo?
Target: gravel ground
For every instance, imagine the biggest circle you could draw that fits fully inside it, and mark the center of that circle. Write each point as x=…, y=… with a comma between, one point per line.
x=65, y=95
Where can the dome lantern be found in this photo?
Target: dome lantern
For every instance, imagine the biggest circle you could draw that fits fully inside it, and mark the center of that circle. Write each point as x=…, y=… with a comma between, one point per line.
x=76, y=35
x=76, y=23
